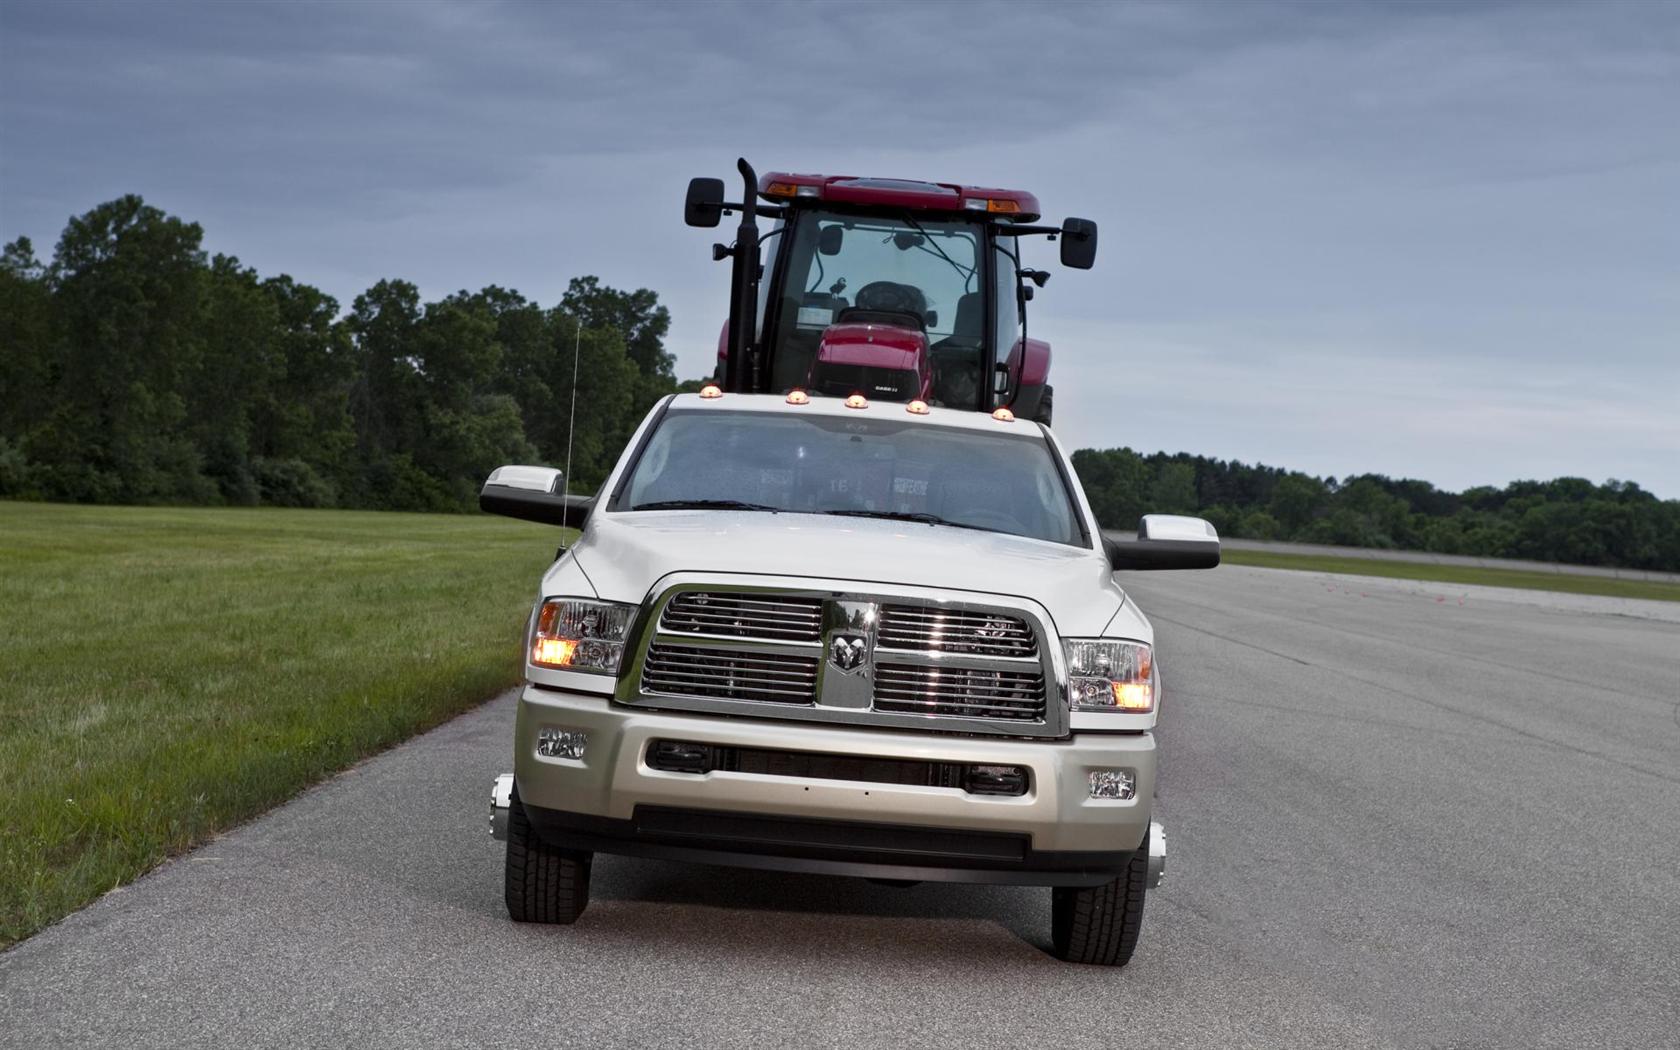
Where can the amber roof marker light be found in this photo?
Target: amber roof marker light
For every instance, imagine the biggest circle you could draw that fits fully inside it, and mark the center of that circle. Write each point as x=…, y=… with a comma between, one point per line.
x=917, y=407
x=710, y=391
x=798, y=397
x=1003, y=415
x=857, y=401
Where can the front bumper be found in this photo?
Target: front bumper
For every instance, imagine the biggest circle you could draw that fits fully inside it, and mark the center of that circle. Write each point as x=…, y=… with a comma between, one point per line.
x=612, y=801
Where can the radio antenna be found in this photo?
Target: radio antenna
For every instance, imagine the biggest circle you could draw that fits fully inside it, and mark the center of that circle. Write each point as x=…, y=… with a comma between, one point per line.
x=571, y=418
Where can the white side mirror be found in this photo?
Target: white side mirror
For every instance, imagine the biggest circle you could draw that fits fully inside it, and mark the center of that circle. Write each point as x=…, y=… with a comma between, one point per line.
x=1176, y=527
x=1167, y=541
x=533, y=494
x=530, y=479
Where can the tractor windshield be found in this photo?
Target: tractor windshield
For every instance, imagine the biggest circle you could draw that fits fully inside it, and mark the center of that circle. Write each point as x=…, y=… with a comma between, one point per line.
x=925, y=275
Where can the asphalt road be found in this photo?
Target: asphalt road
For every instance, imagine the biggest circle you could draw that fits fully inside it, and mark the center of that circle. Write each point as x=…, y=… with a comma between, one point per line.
x=1399, y=815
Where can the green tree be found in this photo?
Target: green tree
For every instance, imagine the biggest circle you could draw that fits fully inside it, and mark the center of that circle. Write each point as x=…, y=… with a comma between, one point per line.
x=1296, y=499
x=1174, y=490
x=302, y=437
x=605, y=405
x=128, y=294
x=240, y=358
x=637, y=317
x=385, y=400
x=27, y=339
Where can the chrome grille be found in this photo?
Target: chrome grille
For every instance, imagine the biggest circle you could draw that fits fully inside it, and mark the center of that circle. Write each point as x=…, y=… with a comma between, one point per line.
x=890, y=657
x=961, y=691
x=683, y=670
x=931, y=629
x=771, y=616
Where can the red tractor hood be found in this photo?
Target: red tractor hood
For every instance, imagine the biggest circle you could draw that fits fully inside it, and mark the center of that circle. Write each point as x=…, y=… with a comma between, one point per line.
x=873, y=346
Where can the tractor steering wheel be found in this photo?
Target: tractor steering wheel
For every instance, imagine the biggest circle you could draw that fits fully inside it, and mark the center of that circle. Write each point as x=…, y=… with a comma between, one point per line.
x=891, y=297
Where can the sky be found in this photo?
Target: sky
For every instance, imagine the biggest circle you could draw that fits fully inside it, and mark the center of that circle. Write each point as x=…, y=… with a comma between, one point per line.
x=1431, y=240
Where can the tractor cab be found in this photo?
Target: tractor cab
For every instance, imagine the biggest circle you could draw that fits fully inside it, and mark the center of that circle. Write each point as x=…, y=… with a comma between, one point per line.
x=893, y=289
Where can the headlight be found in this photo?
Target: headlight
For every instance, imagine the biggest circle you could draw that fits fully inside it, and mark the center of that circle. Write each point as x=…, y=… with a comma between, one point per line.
x=576, y=634
x=1109, y=676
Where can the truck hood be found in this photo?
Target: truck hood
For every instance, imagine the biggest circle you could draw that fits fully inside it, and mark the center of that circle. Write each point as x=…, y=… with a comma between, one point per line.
x=625, y=555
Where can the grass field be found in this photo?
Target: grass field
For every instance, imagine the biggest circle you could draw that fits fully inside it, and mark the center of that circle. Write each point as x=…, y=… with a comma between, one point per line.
x=167, y=673
x=1406, y=570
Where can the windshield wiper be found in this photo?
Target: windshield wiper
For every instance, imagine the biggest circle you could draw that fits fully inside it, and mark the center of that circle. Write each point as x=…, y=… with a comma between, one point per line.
x=704, y=504
x=967, y=274
x=907, y=515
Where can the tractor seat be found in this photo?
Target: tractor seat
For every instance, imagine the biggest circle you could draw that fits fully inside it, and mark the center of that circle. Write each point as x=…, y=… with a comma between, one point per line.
x=956, y=358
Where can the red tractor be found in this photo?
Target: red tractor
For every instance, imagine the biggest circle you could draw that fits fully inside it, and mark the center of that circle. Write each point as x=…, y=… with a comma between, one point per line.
x=893, y=289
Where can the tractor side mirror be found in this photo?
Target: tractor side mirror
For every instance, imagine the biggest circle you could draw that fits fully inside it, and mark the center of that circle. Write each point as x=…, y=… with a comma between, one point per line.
x=533, y=494
x=931, y=317
x=830, y=239
x=1166, y=541
x=704, y=206
x=1079, y=243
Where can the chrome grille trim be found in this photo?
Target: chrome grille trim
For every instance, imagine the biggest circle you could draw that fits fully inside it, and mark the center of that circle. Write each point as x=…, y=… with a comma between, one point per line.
x=924, y=628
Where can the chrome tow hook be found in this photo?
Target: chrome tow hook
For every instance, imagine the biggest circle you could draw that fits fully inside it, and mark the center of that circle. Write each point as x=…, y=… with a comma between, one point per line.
x=1157, y=855
x=501, y=800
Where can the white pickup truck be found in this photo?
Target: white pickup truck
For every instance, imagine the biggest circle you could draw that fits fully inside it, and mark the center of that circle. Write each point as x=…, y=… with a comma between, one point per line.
x=818, y=635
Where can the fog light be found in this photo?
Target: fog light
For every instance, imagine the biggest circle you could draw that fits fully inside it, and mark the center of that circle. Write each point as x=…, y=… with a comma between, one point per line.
x=1113, y=783
x=554, y=742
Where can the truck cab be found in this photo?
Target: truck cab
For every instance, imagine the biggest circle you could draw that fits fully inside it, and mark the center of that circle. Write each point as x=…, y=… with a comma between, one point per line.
x=892, y=289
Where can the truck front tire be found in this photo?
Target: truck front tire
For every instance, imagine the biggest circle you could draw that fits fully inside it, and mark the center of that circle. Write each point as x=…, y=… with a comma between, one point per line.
x=542, y=883
x=1100, y=924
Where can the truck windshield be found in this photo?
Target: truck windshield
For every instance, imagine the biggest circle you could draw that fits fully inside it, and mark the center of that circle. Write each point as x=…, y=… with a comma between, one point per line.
x=868, y=467
x=926, y=275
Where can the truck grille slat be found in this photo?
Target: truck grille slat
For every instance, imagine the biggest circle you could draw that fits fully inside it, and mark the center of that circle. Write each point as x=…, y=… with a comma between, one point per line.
x=957, y=691
x=914, y=627
x=804, y=678
x=730, y=674
x=778, y=618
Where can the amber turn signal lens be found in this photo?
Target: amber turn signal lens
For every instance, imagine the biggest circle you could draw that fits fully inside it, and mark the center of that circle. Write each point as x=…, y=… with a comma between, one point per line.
x=1133, y=696
x=554, y=652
